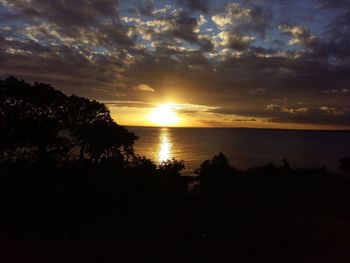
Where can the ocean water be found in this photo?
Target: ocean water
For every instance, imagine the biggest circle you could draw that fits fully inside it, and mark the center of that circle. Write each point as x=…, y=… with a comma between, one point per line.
x=245, y=148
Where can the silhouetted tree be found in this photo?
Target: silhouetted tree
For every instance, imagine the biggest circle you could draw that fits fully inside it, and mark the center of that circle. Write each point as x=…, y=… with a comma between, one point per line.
x=215, y=174
x=171, y=167
x=96, y=133
x=47, y=124
x=170, y=177
x=143, y=165
x=31, y=119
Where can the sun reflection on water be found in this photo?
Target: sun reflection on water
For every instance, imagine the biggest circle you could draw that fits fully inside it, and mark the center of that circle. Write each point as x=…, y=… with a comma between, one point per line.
x=165, y=145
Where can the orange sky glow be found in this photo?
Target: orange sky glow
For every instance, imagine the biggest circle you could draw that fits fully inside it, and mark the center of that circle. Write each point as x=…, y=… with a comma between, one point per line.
x=189, y=115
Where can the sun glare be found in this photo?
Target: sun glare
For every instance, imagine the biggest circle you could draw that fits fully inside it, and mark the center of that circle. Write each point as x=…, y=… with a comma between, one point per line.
x=164, y=115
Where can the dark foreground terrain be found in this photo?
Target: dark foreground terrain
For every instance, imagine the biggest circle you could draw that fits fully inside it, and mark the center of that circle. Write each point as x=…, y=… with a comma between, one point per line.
x=272, y=214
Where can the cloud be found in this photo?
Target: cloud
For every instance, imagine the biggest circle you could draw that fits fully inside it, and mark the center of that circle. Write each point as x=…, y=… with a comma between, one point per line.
x=320, y=115
x=184, y=27
x=286, y=109
x=243, y=19
x=77, y=13
x=244, y=120
x=332, y=111
x=301, y=35
x=144, y=87
x=235, y=41
x=195, y=5
x=126, y=103
x=240, y=25
x=334, y=4
x=87, y=20
x=299, y=114
x=221, y=21
x=258, y=91
x=171, y=30
x=335, y=91
x=163, y=10
x=233, y=12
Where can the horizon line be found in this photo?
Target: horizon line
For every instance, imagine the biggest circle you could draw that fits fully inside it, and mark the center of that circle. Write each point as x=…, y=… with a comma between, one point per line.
x=238, y=128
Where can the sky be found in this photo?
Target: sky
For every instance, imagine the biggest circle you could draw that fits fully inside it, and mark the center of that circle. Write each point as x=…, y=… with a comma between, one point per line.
x=196, y=63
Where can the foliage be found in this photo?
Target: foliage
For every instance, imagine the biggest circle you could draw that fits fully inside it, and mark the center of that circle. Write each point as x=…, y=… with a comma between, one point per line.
x=215, y=173
x=51, y=126
x=168, y=168
x=171, y=167
x=143, y=165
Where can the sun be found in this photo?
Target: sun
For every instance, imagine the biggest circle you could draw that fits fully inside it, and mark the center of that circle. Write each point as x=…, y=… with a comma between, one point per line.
x=164, y=115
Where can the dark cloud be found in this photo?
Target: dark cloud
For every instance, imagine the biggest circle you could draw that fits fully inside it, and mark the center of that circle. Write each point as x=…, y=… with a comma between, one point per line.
x=205, y=44
x=336, y=46
x=143, y=8
x=334, y=4
x=321, y=115
x=114, y=33
x=338, y=31
x=195, y=5
x=72, y=13
x=244, y=120
x=259, y=21
x=135, y=104
x=100, y=19
x=238, y=42
x=286, y=114
x=183, y=27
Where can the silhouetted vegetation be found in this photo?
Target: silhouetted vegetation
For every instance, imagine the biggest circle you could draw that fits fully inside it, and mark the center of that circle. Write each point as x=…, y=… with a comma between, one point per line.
x=41, y=124
x=345, y=163
x=69, y=173
x=216, y=174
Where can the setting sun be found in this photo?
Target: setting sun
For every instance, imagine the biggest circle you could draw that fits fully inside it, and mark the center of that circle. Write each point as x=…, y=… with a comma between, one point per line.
x=164, y=115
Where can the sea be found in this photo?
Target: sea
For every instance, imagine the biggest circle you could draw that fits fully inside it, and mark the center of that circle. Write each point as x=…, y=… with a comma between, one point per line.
x=245, y=148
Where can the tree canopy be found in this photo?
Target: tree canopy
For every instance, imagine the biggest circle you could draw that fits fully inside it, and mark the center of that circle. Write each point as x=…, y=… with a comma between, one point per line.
x=39, y=123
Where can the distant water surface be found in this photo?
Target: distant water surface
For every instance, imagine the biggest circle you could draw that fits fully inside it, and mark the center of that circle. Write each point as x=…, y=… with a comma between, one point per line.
x=245, y=148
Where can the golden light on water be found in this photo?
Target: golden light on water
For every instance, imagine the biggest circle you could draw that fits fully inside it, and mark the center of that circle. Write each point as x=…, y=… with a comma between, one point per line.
x=164, y=146
x=164, y=115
